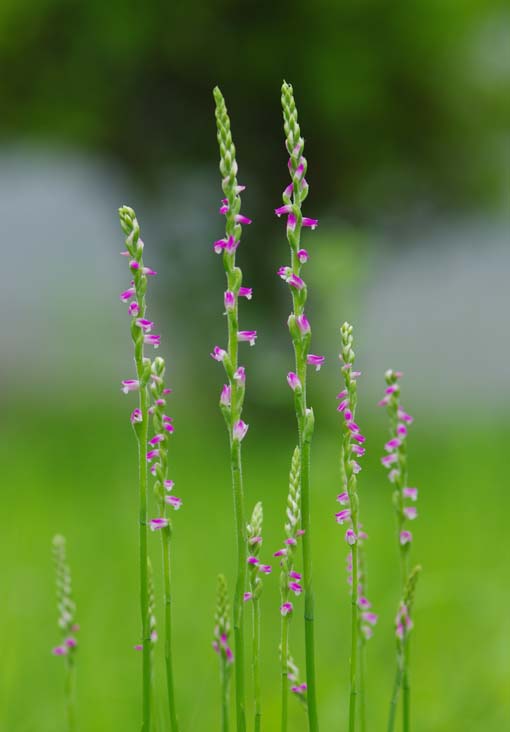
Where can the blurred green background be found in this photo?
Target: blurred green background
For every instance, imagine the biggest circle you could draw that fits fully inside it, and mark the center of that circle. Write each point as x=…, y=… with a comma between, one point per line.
x=406, y=114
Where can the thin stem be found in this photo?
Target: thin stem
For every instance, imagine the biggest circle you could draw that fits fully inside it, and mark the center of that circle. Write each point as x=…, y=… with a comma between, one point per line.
x=256, y=664
x=394, y=699
x=354, y=636
x=308, y=586
x=237, y=485
x=362, y=674
x=225, y=695
x=143, y=513
x=165, y=539
x=70, y=693
x=285, y=670
x=406, y=687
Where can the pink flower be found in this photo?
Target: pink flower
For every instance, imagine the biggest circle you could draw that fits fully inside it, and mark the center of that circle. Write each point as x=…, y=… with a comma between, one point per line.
x=350, y=537
x=389, y=460
x=129, y=385
x=136, y=416
x=144, y=324
x=158, y=523
x=230, y=300
x=252, y=560
x=240, y=375
x=219, y=354
x=410, y=512
x=293, y=381
x=157, y=439
x=286, y=608
x=169, y=484
x=343, y=515
x=370, y=618
x=295, y=587
x=343, y=498
x=240, y=430
x=265, y=568
x=249, y=336
x=226, y=395
x=173, y=501
x=392, y=444
x=228, y=245
x=405, y=537
x=127, y=294
x=133, y=309
x=303, y=324
x=71, y=642
x=312, y=223
x=411, y=493
x=302, y=256
x=295, y=575
x=59, y=651
x=152, y=454
x=247, y=596
x=245, y=292
x=316, y=361
x=295, y=281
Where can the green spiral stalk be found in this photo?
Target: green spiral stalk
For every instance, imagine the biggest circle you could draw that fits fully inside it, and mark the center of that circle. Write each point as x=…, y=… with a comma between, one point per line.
x=254, y=537
x=139, y=420
x=299, y=326
x=404, y=498
x=232, y=395
x=67, y=626
x=221, y=645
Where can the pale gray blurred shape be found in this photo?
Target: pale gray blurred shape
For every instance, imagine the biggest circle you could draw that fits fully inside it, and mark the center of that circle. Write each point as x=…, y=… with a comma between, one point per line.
x=438, y=308
x=63, y=327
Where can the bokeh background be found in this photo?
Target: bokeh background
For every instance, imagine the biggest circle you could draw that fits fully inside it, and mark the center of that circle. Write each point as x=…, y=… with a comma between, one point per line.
x=405, y=108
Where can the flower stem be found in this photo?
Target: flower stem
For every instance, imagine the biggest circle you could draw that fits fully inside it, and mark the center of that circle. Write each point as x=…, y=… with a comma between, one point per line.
x=237, y=486
x=285, y=670
x=70, y=693
x=406, y=687
x=256, y=664
x=165, y=539
x=225, y=696
x=394, y=699
x=362, y=698
x=354, y=636
x=143, y=513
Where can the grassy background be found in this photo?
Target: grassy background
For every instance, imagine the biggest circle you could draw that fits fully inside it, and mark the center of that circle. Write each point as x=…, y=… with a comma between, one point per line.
x=74, y=471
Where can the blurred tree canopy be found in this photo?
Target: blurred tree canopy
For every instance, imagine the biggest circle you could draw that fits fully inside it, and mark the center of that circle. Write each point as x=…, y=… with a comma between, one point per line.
x=401, y=100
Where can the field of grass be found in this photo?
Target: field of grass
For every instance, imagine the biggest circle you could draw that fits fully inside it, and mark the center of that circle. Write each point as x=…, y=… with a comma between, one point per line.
x=73, y=471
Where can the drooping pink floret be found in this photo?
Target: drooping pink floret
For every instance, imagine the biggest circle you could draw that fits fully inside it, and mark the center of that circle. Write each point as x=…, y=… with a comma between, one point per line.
x=158, y=523
x=313, y=360
x=173, y=501
x=265, y=568
x=144, y=324
x=343, y=515
x=286, y=608
x=405, y=537
x=219, y=354
x=129, y=385
x=59, y=651
x=152, y=340
x=127, y=294
x=295, y=587
x=411, y=493
x=248, y=336
x=343, y=498
x=136, y=416
x=410, y=512
x=295, y=281
x=245, y=292
x=240, y=429
x=350, y=537
x=293, y=381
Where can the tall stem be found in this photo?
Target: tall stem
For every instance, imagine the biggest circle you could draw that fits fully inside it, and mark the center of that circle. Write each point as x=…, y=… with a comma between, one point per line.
x=406, y=696
x=394, y=699
x=70, y=693
x=256, y=664
x=285, y=671
x=143, y=514
x=308, y=585
x=165, y=539
x=225, y=696
x=354, y=636
x=362, y=698
x=237, y=485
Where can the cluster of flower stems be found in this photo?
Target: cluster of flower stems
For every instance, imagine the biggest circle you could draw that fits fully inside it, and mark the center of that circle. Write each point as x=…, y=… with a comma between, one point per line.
x=153, y=429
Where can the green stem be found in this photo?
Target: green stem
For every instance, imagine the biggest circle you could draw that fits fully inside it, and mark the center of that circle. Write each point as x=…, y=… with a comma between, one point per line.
x=70, y=692
x=165, y=538
x=237, y=485
x=362, y=698
x=225, y=695
x=394, y=699
x=308, y=586
x=285, y=670
x=256, y=664
x=144, y=592
x=406, y=695
x=354, y=635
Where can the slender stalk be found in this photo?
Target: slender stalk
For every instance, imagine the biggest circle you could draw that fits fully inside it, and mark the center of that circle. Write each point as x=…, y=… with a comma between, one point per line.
x=165, y=538
x=134, y=247
x=285, y=671
x=232, y=398
x=143, y=517
x=70, y=692
x=293, y=197
x=394, y=699
x=222, y=648
x=396, y=462
x=354, y=637
x=362, y=691
x=256, y=665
